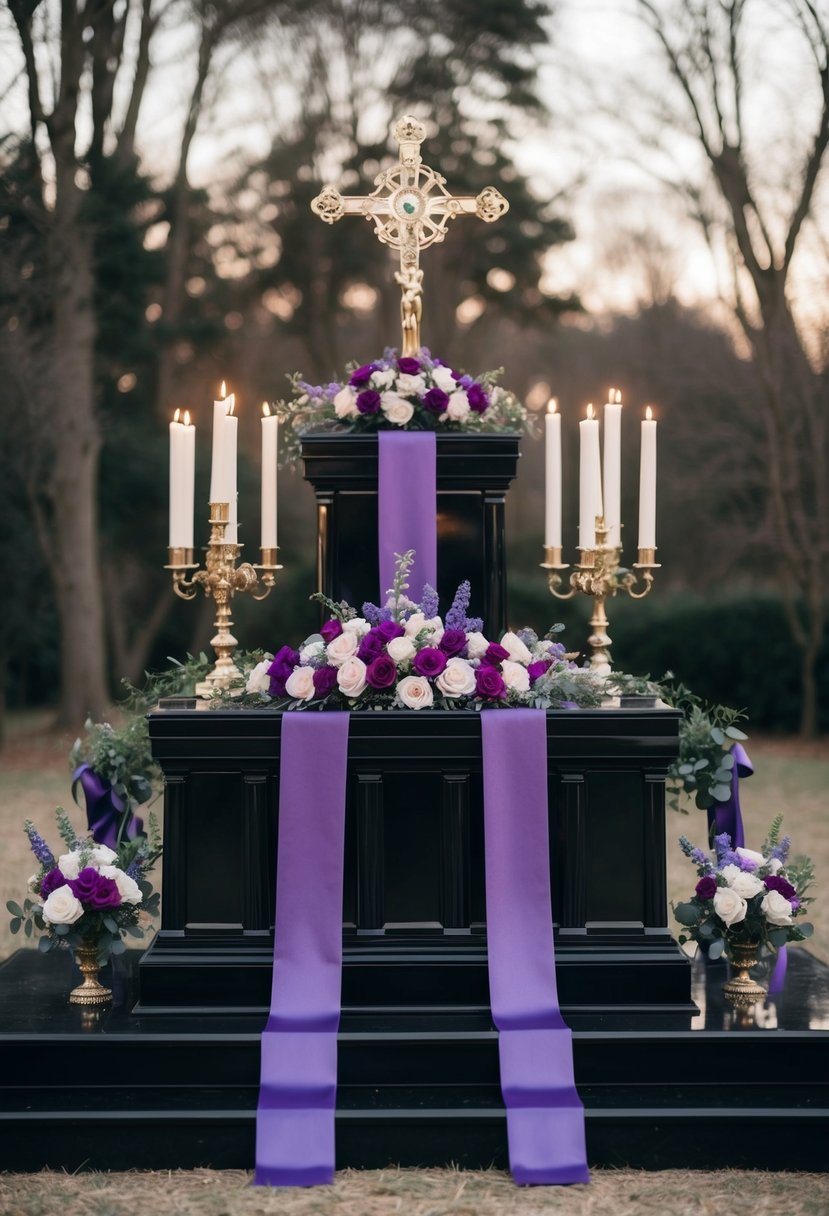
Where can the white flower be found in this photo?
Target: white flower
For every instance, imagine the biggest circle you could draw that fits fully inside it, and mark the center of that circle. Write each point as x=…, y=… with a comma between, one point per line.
x=515, y=648
x=515, y=676
x=775, y=864
x=343, y=647
x=443, y=378
x=436, y=625
x=62, y=908
x=259, y=680
x=457, y=679
x=352, y=677
x=742, y=881
x=729, y=906
x=383, y=379
x=101, y=855
x=30, y=885
x=750, y=855
x=415, y=623
x=415, y=692
x=457, y=408
x=313, y=650
x=410, y=385
x=300, y=684
x=357, y=624
x=69, y=864
x=397, y=409
x=128, y=888
x=476, y=645
x=777, y=908
x=402, y=650
x=345, y=403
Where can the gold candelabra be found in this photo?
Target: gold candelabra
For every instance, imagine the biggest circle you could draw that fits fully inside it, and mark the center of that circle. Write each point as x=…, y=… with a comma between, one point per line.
x=599, y=574
x=221, y=578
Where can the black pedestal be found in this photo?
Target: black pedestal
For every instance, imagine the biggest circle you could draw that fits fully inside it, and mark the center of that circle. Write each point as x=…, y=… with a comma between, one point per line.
x=413, y=917
x=474, y=473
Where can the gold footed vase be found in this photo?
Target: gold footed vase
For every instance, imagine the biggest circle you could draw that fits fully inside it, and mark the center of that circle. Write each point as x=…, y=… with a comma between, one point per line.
x=91, y=992
x=740, y=989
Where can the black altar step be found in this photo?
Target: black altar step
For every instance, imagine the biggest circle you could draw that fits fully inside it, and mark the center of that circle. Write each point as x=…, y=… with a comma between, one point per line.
x=661, y=1090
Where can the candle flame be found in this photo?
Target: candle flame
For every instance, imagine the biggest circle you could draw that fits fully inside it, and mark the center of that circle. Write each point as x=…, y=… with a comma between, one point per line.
x=176, y=415
x=590, y=410
x=649, y=414
x=552, y=405
x=231, y=405
x=266, y=409
x=618, y=397
x=186, y=417
x=223, y=391
x=611, y=394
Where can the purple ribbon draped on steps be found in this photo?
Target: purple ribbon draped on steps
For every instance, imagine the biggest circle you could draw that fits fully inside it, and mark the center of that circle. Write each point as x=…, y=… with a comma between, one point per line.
x=545, y=1117
x=297, y=1097
x=407, y=505
x=104, y=808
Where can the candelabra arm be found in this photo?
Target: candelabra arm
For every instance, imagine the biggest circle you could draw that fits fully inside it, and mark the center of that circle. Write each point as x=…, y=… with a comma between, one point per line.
x=644, y=570
x=179, y=561
x=554, y=566
x=266, y=572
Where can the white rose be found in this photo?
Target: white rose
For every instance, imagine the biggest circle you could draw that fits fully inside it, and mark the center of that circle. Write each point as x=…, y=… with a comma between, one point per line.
x=401, y=650
x=345, y=403
x=259, y=680
x=69, y=864
x=357, y=624
x=415, y=623
x=457, y=679
x=476, y=645
x=102, y=856
x=383, y=379
x=443, y=378
x=777, y=908
x=300, y=684
x=314, y=650
x=729, y=906
x=62, y=908
x=515, y=676
x=436, y=625
x=743, y=883
x=415, y=692
x=128, y=888
x=343, y=647
x=396, y=409
x=750, y=855
x=775, y=865
x=515, y=648
x=410, y=385
x=352, y=677
x=458, y=406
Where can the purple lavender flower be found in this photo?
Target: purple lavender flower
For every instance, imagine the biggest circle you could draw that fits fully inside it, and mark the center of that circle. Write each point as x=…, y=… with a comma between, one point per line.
x=474, y=624
x=725, y=854
x=557, y=650
x=452, y=642
x=478, y=399
x=528, y=636
x=50, y=882
x=435, y=401
x=133, y=870
x=429, y=602
x=464, y=381
x=362, y=375
x=489, y=684
x=456, y=616
x=331, y=629
x=368, y=401
x=775, y=882
x=795, y=904
x=371, y=613
x=38, y=845
x=381, y=672
x=429, y=662
x=706, y=888
x=781, y=850
x=408, y=366
x=700, y=857
x=324, y=680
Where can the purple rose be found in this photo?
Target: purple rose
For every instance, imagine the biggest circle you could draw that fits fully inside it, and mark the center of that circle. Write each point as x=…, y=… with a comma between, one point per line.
x=50, y=882
x=493, y=655
x=477, y=398
x=536, y=670
x=408, y=366
x=436, y=400
x=362, y=375
x=452, y=642
x=429, y=662
x=325, y=678
x=381, y=672
x=331, y=629
x=390, y=629
x=284, y=662
x=368, y=401
x=775, y=882
x=372, y=645
x=706, y=888
x=489, y=683
x=92, y=889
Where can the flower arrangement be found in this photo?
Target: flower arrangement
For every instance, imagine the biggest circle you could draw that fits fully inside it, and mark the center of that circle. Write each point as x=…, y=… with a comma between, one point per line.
x=745, y=897
x=405, y=656
x=418, y=392
x=90, y=895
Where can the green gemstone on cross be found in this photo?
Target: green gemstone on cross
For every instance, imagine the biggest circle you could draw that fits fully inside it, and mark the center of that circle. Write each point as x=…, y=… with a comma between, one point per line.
x=409, y=208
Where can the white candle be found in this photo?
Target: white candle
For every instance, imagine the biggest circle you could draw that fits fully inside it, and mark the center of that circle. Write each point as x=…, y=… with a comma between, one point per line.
x=270, y=433
x=552, y=466
x=219, y=414
x=226, y=487
x=182, y=480
x=590, y=480
x=647, y=483
x=612, y=486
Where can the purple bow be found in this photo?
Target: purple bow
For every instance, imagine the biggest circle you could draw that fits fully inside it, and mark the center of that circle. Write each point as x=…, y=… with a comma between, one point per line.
x=108, y=815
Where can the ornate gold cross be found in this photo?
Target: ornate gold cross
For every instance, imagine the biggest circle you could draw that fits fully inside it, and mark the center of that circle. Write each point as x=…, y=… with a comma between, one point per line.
x=410, y=209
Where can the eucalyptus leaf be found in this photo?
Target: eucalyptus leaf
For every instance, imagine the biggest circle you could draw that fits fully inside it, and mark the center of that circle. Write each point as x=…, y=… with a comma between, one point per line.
x=119, y=947
x=778, y=937
x=717, y=735
x=806, y=929
x=720, y=793
x=734, y=732
x=15, y=924
x=706, y=929
x=686, y=914
x=716, y=948
x=14, y=908
x=44, y=945
x=111, y=924
x=700, y=764
x=727, y=762
x=29, y=928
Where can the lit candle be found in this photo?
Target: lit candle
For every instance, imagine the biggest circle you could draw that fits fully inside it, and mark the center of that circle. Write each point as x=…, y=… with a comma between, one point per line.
x=590, y=480
x=552, y=453
x=182, y=480
x=270, y=433
x=227, y=469
x=219, y=414
x=647, y=483
x=613, y=467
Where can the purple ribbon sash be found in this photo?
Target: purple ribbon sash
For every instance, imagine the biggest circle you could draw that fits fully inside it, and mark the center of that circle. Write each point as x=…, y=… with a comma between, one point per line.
x=104, y=808
x=727, y=816
x=297, y=1097
x=545, y=1116
x=407, y=505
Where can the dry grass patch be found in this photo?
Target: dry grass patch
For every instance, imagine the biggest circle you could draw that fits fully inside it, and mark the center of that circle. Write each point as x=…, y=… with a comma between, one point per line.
x=415, y=1193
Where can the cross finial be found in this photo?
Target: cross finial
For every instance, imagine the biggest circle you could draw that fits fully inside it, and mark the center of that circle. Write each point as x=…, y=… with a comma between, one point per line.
x=410, y=208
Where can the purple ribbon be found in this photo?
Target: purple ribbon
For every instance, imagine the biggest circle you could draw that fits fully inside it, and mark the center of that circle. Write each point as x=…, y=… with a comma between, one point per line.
x=545, y=1116
x=297, y=1096
x=726, y=816
x=407, y=505
x=104, y=808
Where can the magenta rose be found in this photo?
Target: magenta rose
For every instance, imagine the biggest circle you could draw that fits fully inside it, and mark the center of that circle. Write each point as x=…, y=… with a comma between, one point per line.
x=493, y=655
x=325, y=679
x=775, y=882
x=389, y=629
x=452, y=642
x=429, y=662
x=477, y=398
x=489, y=684
x=50, y=882
x=362, y=375
x=368, y=401
x=409, y=366
x=536, y=670
x=372, y=645
x=284, y=662
x=706, y=888
x=436, y=400
x=381, y=672
x=94, y=891
x=331, y=629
